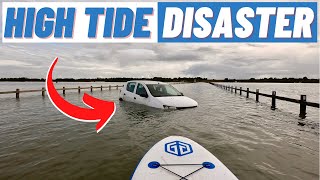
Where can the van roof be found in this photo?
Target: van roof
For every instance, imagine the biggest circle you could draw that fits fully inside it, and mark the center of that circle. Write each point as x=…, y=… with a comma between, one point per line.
x=147, y=82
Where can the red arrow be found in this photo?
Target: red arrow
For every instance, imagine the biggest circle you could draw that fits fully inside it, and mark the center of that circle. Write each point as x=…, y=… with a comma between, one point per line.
x=99, y=111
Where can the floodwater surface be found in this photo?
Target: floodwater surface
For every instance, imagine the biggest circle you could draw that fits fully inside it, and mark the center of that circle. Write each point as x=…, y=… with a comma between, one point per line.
x=254, y=142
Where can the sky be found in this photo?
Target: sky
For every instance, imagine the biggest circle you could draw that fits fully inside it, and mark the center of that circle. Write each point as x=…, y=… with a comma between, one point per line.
x=210, y=60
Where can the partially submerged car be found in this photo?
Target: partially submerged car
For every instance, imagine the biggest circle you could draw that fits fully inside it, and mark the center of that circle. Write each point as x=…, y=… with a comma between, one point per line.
x=155, y=94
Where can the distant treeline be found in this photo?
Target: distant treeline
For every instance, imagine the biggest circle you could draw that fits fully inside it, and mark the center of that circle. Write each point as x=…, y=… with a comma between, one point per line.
x=118, y=79
x=272, y=80
x=179, y=79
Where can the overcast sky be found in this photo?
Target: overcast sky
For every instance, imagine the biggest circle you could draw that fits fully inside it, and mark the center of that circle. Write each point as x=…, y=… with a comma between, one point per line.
x=234, y=60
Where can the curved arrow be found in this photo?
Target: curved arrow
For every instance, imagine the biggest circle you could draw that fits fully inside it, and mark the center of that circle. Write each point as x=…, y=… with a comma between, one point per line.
x=99, y=111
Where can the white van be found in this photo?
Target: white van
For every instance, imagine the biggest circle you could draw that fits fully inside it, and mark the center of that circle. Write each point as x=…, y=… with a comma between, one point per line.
x=155, y=94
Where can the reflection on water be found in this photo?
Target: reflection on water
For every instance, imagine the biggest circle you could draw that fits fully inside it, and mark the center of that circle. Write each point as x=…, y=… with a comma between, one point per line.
x=38, y=142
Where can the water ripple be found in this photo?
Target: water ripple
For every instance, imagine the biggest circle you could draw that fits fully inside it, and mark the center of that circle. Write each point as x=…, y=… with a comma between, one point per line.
x=255, y=142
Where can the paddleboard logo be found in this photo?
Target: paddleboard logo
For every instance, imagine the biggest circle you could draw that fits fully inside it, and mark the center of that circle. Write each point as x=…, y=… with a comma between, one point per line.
x=178, y=148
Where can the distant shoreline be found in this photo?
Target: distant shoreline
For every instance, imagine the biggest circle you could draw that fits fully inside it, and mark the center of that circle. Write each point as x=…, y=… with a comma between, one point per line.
x=180, y=79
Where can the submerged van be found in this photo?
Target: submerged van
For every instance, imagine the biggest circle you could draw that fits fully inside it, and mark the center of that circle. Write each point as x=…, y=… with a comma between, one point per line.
x=155, y=94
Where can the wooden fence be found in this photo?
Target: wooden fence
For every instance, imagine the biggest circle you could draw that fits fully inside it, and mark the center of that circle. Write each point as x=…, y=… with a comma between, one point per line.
x=63, y=89
x=302, y=101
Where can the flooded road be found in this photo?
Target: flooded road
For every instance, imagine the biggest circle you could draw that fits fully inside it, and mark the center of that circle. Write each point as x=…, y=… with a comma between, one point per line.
x=254, y=142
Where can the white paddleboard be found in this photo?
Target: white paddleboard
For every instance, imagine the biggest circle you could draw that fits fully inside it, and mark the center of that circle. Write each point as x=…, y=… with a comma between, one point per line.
x=177, y=157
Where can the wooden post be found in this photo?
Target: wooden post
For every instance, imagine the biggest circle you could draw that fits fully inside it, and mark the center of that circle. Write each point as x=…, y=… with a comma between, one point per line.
x=235, y=90
x=257, y=95
x=79, y=89
x=247, y=92
x=90, y=88
x=303, y=106
x=273, y=101
x=101, y=88
x=63, y=90
x=17, y=93
x=109, y=87
x=240, y=91
x=42, y=92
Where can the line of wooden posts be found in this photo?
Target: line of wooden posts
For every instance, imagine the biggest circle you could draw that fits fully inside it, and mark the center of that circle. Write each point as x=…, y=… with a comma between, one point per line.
x=63, y=89
x=302, y=101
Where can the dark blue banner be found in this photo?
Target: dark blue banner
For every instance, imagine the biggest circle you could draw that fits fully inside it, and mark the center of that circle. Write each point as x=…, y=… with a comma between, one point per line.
x=237, y=22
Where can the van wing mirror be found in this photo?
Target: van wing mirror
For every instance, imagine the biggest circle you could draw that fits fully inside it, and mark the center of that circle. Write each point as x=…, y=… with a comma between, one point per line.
x=145, y=95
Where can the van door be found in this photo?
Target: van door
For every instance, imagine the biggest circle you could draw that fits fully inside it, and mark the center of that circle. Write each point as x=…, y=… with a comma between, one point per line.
x=142, y=96
x=129, y=92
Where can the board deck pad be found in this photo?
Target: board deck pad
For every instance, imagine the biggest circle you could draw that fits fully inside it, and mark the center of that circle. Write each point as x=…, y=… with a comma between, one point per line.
x=177, y=157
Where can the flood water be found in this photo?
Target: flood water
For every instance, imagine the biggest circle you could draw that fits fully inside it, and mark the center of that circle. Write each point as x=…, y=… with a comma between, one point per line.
x=254, y=142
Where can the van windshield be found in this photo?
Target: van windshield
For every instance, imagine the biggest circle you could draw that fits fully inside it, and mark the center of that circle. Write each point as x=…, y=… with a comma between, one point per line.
x=161, y=90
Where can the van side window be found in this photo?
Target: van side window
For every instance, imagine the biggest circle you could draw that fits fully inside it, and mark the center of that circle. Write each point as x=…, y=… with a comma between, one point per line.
x=141, y=90
x=130, y=86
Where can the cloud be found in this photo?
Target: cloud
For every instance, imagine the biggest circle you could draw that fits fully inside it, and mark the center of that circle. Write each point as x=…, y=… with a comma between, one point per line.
x=273, y=60
x=167, y=60
x=13, y=63
x=234, y=60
